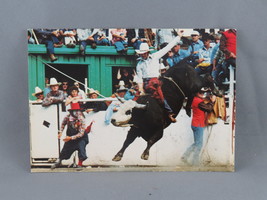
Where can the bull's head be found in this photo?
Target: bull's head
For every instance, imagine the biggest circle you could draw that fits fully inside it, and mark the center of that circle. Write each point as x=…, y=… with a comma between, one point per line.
x=124, y=113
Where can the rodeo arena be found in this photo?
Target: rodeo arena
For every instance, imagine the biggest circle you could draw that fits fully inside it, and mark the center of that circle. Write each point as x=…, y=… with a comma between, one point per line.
x=132, y=99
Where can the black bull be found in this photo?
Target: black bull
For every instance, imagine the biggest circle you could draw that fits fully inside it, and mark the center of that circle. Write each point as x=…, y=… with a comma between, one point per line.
x=149, y=123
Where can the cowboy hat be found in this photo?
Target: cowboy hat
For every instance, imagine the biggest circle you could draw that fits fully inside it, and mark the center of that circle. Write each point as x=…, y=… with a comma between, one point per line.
x=143, y=48
x=53, y=81
x=122, y=88
x=92, y=91
x=37, y=91
x=195, y=33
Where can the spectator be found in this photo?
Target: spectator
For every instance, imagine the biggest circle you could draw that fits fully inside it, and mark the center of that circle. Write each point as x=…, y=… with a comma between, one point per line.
x=73, y=97
x=176, y=54
x=39, y=94
x=47, y=89
x=55, y=95
x=30, y=39
x=199, y=108
x=94, y=106
x=119, y=40
x=135, y=37
x=64, y=87
x=218, y=70
x=76, y=138
x=113, y=107
x=228, y=47
x=125, y=76
x=164, y=36
x=100, y=37
x=194, y=48
x=85, y=38
x=69, y=37
x=133, y=93
x=205, y=64
x=49, y=37
x=81, y=92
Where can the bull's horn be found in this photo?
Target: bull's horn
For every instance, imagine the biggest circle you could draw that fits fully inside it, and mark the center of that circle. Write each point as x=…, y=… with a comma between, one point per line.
x=119, y=98
x=140, y=106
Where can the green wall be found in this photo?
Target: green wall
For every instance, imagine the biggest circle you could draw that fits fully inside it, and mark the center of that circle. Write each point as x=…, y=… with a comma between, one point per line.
x=99, y=62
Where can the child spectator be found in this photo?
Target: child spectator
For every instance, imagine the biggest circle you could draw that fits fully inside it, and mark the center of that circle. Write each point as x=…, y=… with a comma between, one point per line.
x=73, y=97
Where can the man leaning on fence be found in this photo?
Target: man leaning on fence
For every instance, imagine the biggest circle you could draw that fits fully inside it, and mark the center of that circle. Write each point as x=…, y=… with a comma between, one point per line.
x=55, y=95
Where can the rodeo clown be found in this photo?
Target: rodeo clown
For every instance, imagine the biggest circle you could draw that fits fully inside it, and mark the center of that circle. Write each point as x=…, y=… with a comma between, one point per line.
x=148, y=72
x=77, y=136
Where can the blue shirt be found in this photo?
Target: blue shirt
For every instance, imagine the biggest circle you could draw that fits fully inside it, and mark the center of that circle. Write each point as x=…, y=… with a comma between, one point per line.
x=195, y=46
x=176, y=58
x=206, y=54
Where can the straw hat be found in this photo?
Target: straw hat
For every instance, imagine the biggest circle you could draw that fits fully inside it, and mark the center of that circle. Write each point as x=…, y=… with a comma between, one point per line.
x=92, y=91
x=37, y=91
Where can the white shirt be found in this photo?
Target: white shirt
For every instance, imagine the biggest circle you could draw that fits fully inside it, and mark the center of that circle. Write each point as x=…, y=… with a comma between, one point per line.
x=150, y=68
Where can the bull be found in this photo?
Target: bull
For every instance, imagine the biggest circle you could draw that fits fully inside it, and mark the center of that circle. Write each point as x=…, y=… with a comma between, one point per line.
x=148, y=118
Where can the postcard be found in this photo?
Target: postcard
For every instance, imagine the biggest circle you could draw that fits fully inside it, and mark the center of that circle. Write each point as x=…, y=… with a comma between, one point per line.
x=140, y=99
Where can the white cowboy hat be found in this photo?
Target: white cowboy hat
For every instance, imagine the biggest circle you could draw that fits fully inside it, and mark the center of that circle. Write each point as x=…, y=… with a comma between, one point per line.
x=53, y=81
x=143, y=48
x=122, y=88
x=121, y=83
x=195, y=33
x=37, y=91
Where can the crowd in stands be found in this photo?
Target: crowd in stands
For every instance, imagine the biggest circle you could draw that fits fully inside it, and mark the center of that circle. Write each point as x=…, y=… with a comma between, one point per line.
x=205, y=52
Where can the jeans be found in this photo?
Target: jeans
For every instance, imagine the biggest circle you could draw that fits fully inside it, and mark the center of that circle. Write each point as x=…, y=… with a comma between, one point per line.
x=196, y=147
x=136, y=44
x=73, y=145
x=120, y=45
x=103, y=42
x=204, y=70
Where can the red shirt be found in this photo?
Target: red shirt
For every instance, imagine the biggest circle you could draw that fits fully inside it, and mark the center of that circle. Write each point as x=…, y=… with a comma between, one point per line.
x=198, y=119
x=230, y=43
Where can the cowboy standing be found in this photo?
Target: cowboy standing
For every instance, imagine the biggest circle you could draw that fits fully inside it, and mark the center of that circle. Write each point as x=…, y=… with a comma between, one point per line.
x=55, y=95
x=76, y=138
x=148, y=70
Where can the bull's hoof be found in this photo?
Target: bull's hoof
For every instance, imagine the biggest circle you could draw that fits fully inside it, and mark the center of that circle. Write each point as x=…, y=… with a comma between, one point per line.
x=117, y=158
x=145, y=156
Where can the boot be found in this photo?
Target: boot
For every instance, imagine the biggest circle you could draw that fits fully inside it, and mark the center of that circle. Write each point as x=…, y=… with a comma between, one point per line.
x=173, y=120
x=57, y=164
x=93, y=45
x=52, y=57
x=82, y=50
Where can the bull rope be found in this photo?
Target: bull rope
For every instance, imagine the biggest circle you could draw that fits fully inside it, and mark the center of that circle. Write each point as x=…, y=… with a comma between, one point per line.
x=170, y=79
x=66, y=75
